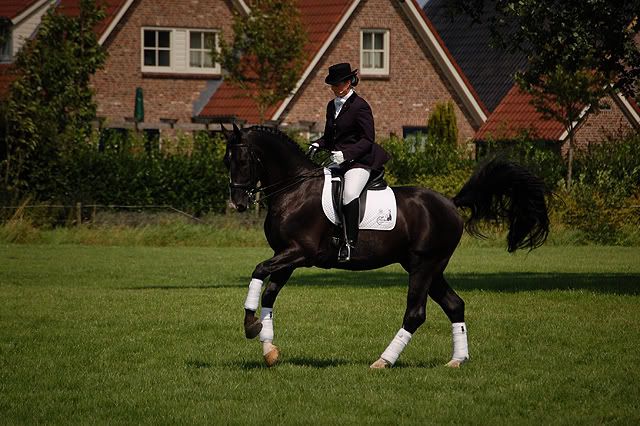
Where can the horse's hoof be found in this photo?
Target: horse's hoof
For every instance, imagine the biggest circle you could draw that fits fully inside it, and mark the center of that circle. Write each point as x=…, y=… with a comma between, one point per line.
x=380, y=363
x=456, y=363
x=271, y=358
x=251, y=331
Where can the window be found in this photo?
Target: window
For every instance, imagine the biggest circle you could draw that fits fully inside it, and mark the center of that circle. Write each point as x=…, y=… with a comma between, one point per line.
x=5, y=43
x=157, y=48
x=179, y=51
x=415, y=134
x=414, y=131
x=374, y=52
x=200, y=46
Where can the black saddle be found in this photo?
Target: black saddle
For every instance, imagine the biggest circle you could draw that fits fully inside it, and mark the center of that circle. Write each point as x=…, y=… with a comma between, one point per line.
x=376, y=182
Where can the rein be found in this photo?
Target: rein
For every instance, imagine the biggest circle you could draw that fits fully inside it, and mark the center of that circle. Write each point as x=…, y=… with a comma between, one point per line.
x=295, y=181
x=251, y=188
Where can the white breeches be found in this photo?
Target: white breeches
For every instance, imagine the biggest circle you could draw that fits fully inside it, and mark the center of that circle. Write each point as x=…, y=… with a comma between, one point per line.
x=354, y=182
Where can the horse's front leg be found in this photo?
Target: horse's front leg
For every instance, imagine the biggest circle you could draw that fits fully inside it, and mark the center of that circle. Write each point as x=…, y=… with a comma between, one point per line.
x=280, y=268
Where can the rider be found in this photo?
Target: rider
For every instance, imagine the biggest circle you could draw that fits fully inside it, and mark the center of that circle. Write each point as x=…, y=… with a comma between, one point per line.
x=350, y=135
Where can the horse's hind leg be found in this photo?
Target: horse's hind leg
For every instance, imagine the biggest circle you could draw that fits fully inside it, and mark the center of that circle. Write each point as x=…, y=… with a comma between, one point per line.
x=421, y=274
x=453, y=307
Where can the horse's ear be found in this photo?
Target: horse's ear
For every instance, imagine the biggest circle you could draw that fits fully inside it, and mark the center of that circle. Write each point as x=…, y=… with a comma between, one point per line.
x=226, y=133
x=236, y=130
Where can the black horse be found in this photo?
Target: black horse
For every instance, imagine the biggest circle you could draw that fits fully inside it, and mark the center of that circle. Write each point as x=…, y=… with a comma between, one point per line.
x=427, y=231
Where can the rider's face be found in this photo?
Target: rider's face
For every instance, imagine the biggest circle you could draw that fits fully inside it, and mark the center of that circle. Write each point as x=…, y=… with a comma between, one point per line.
x=342, y=88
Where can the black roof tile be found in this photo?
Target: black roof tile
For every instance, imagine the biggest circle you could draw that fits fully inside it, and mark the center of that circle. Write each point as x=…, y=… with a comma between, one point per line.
x=490, y=70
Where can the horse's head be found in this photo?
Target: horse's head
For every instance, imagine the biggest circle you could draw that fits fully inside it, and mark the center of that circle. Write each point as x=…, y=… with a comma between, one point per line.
x=241, y=162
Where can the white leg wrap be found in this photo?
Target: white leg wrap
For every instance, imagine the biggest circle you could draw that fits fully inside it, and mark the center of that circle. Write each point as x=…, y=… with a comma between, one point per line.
x=460, y=345
x=396, y=346
x=253, y=295
x=266, y=317
x=266, y=334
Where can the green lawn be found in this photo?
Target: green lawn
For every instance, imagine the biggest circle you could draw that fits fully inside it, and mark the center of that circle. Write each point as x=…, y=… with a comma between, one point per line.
x=154, y=335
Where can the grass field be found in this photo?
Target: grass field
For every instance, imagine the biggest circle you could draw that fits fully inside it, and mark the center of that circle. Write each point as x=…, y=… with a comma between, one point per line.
x=93, y=334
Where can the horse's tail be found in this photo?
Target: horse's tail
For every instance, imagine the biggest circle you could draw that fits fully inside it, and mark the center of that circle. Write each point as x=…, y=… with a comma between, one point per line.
x=502, y=190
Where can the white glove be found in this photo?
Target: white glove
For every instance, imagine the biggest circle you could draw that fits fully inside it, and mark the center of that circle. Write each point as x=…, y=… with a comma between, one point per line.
x=337, y=157
x=313, y=148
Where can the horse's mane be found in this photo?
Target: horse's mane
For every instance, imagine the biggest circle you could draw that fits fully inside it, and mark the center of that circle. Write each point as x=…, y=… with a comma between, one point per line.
x=279, y=135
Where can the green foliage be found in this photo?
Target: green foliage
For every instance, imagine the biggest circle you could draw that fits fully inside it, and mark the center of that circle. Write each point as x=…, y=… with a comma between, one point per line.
x=442, y=125
x=612, y=166
x=192, y=178
x=604, y=202
x=187, y=174
x=418, y=156
x=50, y=106
x=540, y=157
x=266, y=56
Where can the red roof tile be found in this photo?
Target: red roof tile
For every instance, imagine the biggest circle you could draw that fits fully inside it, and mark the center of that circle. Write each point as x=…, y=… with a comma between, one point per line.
x=515, y=115
x=319, y=18
x=112, y=7
x=12, y=8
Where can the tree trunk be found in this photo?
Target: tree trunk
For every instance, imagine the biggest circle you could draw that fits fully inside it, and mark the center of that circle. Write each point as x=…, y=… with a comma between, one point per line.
x=570, y=158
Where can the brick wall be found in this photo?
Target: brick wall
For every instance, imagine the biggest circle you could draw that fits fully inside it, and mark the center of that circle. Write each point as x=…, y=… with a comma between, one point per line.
x=405, y=98
x=608, y=123
x=165, y=96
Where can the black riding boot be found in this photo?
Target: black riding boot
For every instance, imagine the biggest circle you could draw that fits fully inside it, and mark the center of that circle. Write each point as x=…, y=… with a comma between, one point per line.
x=350, y=219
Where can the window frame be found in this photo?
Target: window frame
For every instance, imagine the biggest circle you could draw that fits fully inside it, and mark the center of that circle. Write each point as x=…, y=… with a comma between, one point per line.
x=157, y=68
x=202, y=50
x=176, y=52
x=384, y=71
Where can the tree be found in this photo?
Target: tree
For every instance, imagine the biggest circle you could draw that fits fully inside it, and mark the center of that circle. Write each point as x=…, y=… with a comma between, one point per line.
x=580, y=34
x=562, y=95
x=266, y=56
x=578, y=51
x=50, y=106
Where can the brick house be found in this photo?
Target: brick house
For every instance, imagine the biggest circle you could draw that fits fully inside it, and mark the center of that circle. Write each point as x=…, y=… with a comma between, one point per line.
x=409, y=58
x=150, y=44
x=413, y=73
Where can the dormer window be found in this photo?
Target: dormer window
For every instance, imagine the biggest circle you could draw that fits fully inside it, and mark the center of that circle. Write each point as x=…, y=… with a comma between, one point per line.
x=179, y=51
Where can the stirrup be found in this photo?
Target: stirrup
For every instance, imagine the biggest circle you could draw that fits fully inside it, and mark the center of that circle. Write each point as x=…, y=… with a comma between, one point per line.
x=344, y=253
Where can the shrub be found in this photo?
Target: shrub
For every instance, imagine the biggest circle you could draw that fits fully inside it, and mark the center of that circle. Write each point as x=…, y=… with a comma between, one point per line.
x=442, y=124
x=418, y=156
x=123, y=169
x=604, y=201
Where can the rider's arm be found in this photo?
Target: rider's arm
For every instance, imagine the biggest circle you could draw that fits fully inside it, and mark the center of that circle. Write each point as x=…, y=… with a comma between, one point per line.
x=361, y=147
x=325, y=140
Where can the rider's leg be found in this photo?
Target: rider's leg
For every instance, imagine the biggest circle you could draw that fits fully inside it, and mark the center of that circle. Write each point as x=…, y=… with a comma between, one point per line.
x=354, y=182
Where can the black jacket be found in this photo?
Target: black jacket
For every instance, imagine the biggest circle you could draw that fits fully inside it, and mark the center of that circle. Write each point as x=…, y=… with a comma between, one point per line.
x=353, y=133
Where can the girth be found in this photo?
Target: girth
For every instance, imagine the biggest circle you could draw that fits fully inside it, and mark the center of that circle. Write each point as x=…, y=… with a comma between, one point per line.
x=376, y=182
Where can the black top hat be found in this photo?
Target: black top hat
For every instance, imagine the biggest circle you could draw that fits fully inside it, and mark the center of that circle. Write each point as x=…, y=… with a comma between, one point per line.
x=339, y=73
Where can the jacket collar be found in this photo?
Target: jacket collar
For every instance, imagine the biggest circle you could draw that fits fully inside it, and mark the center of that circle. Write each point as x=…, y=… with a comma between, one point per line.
x=346, y=105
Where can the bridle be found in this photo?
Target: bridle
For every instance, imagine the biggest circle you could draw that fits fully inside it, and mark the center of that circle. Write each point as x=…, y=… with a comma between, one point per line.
x=251, y=186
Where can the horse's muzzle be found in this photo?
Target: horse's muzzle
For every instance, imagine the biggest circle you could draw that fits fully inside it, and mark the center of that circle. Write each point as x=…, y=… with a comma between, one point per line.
x=240, y=199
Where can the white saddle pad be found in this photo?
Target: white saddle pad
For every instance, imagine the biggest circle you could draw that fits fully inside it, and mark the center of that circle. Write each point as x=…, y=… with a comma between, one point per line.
x=381, y=211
